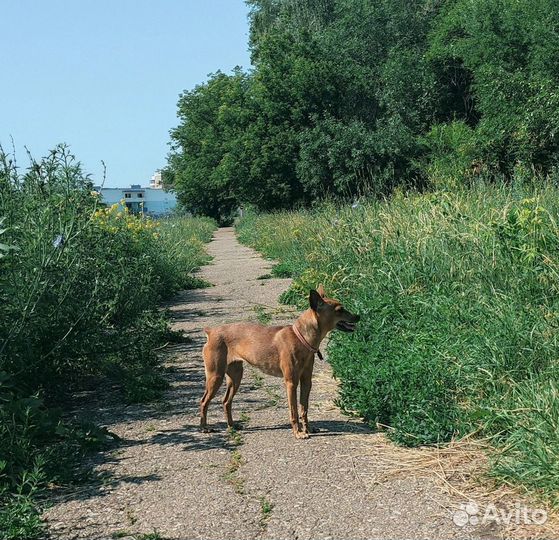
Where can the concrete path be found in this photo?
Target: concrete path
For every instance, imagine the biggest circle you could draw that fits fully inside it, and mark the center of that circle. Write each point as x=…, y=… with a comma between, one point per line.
x=167, y=477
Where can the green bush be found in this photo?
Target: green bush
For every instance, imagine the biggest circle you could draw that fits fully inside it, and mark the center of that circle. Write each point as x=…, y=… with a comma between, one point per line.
x=496, y=65
x=80, y=286
x=459, y=297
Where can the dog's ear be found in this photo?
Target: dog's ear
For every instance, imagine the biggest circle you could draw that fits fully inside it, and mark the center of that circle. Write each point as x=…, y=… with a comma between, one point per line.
x=315, y=300
x=320, y=290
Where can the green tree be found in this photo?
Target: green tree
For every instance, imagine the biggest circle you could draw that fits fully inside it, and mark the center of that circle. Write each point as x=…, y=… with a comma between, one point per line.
x=498, y=62
x=204, y=164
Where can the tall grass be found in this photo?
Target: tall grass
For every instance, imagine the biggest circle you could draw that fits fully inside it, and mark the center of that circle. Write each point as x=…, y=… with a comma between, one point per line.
x=79, y=291
x=459, y=297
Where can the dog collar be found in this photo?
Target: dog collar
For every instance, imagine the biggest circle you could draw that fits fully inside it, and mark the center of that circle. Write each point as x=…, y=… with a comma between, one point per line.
x=306, y=344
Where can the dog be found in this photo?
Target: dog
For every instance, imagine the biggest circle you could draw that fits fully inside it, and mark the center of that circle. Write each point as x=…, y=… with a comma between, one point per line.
x=281, y=351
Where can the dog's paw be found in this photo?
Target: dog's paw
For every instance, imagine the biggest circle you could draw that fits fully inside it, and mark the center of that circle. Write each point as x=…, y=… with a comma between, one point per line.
x=302, y=435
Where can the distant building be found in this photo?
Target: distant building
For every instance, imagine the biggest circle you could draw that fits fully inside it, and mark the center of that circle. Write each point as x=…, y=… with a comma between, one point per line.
x=156, y=181
x=149, y=201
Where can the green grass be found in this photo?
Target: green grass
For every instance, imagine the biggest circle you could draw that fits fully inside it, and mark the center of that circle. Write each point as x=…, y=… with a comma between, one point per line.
x=235, y=437
x=120, y=534
x=282, y=270
x=244, y=418
x=459, y=298
x=150, y=536
x=137, y=536
x=19, y=518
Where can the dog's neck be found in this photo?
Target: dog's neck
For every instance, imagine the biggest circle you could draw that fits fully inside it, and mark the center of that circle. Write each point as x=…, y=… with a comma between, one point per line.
x=309, y=326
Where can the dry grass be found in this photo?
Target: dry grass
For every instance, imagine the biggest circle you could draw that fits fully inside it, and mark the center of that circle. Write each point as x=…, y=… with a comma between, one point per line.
x=460, y=468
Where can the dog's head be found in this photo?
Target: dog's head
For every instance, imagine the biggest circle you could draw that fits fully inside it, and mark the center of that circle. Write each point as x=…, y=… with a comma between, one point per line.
x=331, y=313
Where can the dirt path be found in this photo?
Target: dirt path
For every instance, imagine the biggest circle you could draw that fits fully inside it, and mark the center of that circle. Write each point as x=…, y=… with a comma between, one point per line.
x=168, y=477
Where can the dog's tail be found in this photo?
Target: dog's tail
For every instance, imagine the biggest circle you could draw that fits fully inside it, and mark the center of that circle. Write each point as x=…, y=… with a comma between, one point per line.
x=209, y=331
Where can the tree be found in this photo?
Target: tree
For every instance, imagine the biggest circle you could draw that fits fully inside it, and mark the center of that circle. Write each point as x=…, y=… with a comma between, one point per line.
x=506, y=55
x=203, y=165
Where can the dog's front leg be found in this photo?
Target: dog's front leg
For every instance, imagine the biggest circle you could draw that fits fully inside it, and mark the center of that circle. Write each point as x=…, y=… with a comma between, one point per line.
x=291, y=388
x=306, y=383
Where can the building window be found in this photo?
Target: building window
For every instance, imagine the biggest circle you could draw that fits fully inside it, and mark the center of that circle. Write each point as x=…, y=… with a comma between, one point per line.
x=140, y=195
x=128, y=195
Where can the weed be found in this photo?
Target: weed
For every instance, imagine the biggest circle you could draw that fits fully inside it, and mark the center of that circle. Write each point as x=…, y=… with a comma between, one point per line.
x=193, y=282
x=130, y=516
x=20, y=518
x=266, y=508
x=177, y=336
x=136, y=536
x=121, y=534
x=232, y=474
x=273, y=396
x=259, y=383
x=80, y=287
x=282, y=270
x=257, y=379
x=149, y=536
x=235, y=437
x=262, y=315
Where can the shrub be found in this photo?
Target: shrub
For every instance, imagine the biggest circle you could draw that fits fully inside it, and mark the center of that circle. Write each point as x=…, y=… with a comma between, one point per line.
x=81, y=287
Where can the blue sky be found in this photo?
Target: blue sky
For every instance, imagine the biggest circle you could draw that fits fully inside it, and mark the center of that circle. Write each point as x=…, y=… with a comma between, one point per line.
x=104, y=76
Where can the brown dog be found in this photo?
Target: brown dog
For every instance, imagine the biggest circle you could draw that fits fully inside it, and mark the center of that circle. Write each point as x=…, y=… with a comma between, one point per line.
x=282, y=351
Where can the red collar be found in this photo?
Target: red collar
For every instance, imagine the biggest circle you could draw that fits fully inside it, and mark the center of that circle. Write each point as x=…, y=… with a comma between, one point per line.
x=306, y=344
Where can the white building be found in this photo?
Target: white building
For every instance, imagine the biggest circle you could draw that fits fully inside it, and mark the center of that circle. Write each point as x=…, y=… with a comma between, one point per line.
x=156, y=181
x=150, y=201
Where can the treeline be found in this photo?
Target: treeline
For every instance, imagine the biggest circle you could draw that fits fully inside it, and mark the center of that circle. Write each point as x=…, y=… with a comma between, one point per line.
x=351, y=97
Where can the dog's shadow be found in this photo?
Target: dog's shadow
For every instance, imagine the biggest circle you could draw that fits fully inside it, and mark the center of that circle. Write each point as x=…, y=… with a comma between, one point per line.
x=193, y=439
x=320, y=428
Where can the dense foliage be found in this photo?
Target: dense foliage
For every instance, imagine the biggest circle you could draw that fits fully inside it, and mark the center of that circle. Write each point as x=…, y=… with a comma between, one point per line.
x=353, y=96
x=79, y=289
x=459, y=301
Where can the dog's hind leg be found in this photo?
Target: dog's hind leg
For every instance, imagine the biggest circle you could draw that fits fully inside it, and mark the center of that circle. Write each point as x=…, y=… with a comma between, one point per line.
x=234, y=375
x=215, y=362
